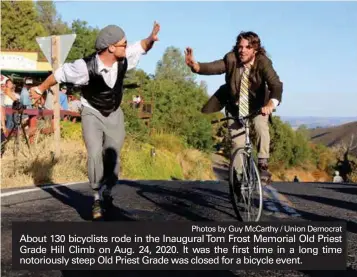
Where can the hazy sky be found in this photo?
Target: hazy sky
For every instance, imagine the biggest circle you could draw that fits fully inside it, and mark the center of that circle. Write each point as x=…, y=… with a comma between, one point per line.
x=313, y=45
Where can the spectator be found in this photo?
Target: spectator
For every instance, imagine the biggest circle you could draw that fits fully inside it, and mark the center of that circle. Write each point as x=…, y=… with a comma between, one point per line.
x=2, y=100
x=9, y=98
x=25, y=95
x=63, y=98
x=3, y=114
x=74, y=104
x=137, y=100
x=296, y=180
x=49, y=99
x=337, y=178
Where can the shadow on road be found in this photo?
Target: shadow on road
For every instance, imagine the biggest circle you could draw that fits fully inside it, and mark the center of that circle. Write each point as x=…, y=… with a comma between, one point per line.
x=351, y=226
x=221, y=174
x=83, y=203
x=328, y=201
x=219, y=195
x=348, y=190
x=42, y=170
x=180, y=201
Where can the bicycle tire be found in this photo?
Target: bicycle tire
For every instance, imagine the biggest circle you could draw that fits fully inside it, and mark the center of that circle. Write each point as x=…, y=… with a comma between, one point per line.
x=234, y=188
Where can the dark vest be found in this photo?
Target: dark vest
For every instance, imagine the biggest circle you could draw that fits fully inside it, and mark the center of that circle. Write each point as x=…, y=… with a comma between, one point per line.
x=101, y=97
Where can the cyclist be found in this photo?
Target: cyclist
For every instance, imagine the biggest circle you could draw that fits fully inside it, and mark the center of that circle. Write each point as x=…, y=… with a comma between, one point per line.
x=101, y=76
x=251, y=83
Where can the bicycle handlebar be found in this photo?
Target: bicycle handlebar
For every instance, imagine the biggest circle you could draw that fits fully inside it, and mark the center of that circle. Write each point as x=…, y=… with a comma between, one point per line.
x=254, y=113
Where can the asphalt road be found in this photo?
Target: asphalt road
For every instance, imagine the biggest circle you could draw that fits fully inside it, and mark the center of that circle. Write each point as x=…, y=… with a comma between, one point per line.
x=180, y=200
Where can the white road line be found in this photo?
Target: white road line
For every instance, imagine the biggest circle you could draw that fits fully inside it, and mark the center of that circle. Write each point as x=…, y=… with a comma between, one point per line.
x=21, y=191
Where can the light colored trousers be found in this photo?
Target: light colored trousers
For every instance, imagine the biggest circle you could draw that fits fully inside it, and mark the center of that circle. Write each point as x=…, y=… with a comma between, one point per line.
x=104, y=139
x=261, y=127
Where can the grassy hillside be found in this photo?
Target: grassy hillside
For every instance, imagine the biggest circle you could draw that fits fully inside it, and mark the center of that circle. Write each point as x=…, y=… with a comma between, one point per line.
x=172, y=160
x=335, y=136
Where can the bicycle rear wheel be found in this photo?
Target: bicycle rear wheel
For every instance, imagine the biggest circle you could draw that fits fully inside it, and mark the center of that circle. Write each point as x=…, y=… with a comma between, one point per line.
x=245, y=187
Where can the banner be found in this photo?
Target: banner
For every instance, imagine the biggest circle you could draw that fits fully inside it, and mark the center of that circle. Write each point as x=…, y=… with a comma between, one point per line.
x=179, y=246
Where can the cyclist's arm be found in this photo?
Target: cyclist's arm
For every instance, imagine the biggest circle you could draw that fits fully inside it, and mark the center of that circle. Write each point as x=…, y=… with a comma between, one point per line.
x=275, y=86
x=212, y=68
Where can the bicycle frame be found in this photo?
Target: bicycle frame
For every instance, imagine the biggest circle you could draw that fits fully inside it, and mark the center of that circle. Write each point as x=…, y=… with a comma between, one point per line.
x=244, y=121
x=249, y=168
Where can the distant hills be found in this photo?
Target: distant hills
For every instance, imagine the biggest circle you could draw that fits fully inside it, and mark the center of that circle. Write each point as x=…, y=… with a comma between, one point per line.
x=315, y=122
x=333, y=136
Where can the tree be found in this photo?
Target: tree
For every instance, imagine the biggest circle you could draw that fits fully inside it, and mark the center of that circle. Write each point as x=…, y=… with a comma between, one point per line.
x=20, y=25
x=303, y=131
x=281, y=143
x=172, y=66
x=50, y=19
x=346, y=165
x=85, y=40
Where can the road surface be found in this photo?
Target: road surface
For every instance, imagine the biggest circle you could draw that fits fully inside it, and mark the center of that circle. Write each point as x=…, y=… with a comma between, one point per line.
x=180, y=200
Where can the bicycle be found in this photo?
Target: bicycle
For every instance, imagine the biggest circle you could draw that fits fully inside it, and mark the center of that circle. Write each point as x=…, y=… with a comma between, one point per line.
x=243, y=186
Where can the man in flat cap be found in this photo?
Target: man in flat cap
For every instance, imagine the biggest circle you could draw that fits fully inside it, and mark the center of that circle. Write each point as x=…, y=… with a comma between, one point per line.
x=101, y=76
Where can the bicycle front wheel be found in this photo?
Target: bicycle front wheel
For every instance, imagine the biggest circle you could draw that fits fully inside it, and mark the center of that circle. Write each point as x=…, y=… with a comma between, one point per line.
x=245, y=187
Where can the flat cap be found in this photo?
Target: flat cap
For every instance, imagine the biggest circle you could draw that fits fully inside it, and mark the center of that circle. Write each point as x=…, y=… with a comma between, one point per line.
x=107, y=36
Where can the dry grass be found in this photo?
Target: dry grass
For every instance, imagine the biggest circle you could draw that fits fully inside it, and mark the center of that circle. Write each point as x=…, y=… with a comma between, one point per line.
x=310, y=175
x=196, y=165
x=172, y=160
x=40, y=167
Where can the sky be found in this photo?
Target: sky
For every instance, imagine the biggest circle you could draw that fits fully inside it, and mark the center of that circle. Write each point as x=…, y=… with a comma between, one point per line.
x=313, y=45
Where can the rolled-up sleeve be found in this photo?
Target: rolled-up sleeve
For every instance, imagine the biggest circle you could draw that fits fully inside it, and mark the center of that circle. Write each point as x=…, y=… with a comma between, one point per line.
x=75, y=73
x=133, y=54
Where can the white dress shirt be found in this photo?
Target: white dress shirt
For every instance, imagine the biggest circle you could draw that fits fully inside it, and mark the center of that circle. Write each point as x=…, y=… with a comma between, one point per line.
x=77, y=72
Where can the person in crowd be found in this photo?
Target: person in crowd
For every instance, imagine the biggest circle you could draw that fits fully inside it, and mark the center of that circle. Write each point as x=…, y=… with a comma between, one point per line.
x=63, y=98
x=337, y=178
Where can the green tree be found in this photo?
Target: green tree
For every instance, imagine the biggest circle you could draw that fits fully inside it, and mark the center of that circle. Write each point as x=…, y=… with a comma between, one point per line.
x=301, y=149
x=20, y=25
x=50, y=19
x=303, y=131
x=281, y=143
x=172, y=66
x=85, y=40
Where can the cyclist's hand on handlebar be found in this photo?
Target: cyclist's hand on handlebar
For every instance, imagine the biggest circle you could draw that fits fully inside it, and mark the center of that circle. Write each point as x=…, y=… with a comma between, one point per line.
x=190, y=61
x=268, y=109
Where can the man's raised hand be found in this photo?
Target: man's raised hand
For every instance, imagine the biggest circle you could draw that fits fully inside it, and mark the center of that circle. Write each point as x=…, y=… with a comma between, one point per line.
x=155, y=31
x=190, y=61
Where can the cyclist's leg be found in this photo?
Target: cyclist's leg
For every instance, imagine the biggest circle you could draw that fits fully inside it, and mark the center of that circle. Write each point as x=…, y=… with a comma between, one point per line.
x=114, y=135
x=237, y=135
x=92, y=130
x=261, y=124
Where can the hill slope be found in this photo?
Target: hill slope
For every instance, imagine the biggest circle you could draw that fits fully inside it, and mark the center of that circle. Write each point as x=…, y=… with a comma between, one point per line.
x=333, y=136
